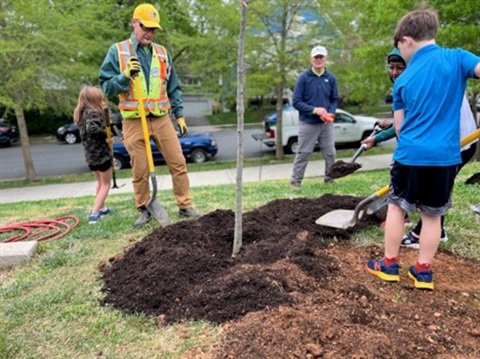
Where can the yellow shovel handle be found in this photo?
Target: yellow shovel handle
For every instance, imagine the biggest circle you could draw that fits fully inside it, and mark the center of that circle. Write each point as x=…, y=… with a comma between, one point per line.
x=382, y=191
x=143, y=117
x=471, y=137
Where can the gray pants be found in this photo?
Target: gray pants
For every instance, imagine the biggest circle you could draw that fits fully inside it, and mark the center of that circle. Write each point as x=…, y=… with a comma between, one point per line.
x=308, y=135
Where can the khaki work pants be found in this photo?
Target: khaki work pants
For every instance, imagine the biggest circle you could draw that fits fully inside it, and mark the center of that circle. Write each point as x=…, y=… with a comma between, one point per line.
x=163, y=133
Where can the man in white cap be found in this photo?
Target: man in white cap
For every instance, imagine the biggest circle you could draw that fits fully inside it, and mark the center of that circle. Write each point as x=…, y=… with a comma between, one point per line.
x=316, y=98
x=162, y=95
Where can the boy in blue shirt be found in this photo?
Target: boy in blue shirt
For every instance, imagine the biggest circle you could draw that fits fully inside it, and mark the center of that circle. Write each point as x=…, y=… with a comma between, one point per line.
x=426, y=102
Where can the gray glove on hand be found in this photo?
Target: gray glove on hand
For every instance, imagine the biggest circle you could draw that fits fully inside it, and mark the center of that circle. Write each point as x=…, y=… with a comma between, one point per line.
x=133, y=67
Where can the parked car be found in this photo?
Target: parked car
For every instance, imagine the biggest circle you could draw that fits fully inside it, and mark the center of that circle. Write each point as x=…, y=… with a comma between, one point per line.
x=69, y=133
x=8, y=133
x=349, y=129
x=196, y=147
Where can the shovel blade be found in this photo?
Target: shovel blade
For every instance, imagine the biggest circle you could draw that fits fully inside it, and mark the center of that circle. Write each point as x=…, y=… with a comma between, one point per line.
x=339, y=218
x=377, y=204
x=158, y=212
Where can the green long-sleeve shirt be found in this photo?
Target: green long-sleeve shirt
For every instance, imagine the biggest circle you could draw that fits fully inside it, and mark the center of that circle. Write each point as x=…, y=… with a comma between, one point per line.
x=385, y=135
x=113, y=81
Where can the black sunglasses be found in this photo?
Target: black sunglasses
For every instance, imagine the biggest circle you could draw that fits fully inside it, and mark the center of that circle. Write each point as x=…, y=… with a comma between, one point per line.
x=147, y=29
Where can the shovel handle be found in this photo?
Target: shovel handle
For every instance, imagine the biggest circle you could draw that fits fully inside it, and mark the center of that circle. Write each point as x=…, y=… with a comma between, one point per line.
x=470, y=137
x=138, y=94
x=106, y=112
x=358, y=153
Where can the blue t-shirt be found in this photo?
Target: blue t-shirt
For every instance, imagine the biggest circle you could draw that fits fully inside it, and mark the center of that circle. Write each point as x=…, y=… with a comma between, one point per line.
x=430, y=91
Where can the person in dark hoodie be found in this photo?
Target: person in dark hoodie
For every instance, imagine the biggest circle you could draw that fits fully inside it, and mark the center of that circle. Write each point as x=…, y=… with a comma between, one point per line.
x=316, y=98
x=395, y=66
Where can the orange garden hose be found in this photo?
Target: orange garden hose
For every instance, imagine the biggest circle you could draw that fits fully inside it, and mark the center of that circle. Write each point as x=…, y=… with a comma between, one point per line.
x=40, y=230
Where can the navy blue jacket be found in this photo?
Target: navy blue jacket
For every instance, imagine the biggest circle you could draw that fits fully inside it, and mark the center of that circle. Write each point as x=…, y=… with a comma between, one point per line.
x=313, y=91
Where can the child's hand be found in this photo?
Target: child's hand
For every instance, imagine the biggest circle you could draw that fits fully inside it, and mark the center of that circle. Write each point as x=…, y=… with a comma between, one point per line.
x=110, y=140
x=369, y=142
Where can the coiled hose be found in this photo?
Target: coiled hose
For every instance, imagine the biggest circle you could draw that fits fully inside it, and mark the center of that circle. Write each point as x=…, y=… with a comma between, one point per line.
x=40, y=230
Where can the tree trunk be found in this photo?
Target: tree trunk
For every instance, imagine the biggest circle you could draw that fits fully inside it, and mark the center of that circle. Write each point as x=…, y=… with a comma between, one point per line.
x=281, y=85
x=237, y=241
x=31, y=175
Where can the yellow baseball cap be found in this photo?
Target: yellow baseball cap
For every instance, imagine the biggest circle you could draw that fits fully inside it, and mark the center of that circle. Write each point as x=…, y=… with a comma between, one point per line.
x=147, y=15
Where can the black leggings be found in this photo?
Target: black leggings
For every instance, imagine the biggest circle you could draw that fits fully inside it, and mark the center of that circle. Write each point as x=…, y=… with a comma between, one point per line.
x=466, y=157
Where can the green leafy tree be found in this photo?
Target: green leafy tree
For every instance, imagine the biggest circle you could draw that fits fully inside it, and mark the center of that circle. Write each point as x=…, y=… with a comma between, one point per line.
x=209, y=48
x=49, y=49
x=281, y=37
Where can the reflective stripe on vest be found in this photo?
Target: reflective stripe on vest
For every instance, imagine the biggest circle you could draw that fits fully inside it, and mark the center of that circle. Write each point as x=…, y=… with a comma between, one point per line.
x=156, y=101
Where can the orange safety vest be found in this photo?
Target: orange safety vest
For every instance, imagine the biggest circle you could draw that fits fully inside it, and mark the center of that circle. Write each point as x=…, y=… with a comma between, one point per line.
x=155, y=100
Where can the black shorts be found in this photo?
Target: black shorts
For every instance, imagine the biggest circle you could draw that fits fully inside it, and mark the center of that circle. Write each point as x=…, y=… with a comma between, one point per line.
x=105, y=166
x=427, y=188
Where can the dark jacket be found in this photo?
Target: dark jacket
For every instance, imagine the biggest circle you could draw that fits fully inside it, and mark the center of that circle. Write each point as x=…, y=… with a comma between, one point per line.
x=313, y=91
x=94, y=138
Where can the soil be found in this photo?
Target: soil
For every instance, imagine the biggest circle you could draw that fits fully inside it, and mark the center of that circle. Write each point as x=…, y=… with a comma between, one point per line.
x=474, y=179
x=341, y=169
x=296, y=289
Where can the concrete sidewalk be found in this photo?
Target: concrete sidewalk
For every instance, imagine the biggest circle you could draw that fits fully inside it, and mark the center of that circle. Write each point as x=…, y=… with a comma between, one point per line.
x=197, y=179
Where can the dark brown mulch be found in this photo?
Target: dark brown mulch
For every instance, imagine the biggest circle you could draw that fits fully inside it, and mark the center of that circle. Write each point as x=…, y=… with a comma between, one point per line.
x=474, y=179
x=341, y=169
x=296, y=290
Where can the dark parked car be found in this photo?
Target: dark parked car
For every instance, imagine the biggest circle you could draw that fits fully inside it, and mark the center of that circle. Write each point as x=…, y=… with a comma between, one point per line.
x=69, y=133
x=196, y=147
x=8, y=134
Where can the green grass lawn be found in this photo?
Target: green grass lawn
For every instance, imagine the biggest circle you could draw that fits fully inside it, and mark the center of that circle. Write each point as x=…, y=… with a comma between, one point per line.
x=49, y=307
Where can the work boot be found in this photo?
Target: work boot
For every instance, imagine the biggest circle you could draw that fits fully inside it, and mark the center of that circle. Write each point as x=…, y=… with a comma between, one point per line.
x=295, y=185
x=144, y=218
x=188, y=212
x=328, y=179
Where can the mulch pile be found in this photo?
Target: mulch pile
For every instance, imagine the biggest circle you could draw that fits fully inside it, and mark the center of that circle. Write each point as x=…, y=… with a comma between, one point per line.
x=296, y=289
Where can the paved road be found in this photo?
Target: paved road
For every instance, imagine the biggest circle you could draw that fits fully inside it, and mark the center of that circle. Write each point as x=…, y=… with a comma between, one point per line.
x=54, y=159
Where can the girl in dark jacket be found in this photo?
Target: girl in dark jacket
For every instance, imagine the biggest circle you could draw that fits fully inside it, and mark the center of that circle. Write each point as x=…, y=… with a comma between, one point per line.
x=88, y=116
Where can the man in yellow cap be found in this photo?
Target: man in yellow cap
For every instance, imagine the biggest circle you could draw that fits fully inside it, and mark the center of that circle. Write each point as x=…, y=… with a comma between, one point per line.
x=162, y=95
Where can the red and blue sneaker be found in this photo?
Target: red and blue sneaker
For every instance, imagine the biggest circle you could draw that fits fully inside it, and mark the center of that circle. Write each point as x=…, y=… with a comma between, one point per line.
x=382, y=271
x=421, y=280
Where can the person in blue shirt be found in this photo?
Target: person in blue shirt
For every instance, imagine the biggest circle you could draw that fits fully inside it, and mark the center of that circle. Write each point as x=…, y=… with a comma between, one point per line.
x=396, y=65
x=316, y=98
x=426, y=103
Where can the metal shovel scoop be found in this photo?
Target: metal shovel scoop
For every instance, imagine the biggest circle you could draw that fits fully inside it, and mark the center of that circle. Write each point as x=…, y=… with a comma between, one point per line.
x=344, y=218
x=341, y=169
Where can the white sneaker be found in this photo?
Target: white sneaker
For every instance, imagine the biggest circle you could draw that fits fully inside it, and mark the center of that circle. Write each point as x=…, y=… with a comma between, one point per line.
x=476, y=208
x=444, y=237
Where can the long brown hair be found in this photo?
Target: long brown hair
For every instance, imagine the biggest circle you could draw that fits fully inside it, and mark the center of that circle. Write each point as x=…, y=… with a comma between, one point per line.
x=90, y=97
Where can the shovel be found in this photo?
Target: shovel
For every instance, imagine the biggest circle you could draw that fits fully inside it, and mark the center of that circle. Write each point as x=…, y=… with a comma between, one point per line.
x=341, y=169
x=153, y=206
x=343, y=218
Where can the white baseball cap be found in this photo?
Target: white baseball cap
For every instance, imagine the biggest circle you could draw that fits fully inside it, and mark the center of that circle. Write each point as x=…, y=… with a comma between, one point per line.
x=318, y=50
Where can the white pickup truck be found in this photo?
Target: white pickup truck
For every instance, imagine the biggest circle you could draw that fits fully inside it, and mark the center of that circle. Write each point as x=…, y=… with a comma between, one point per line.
x=348, y=129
